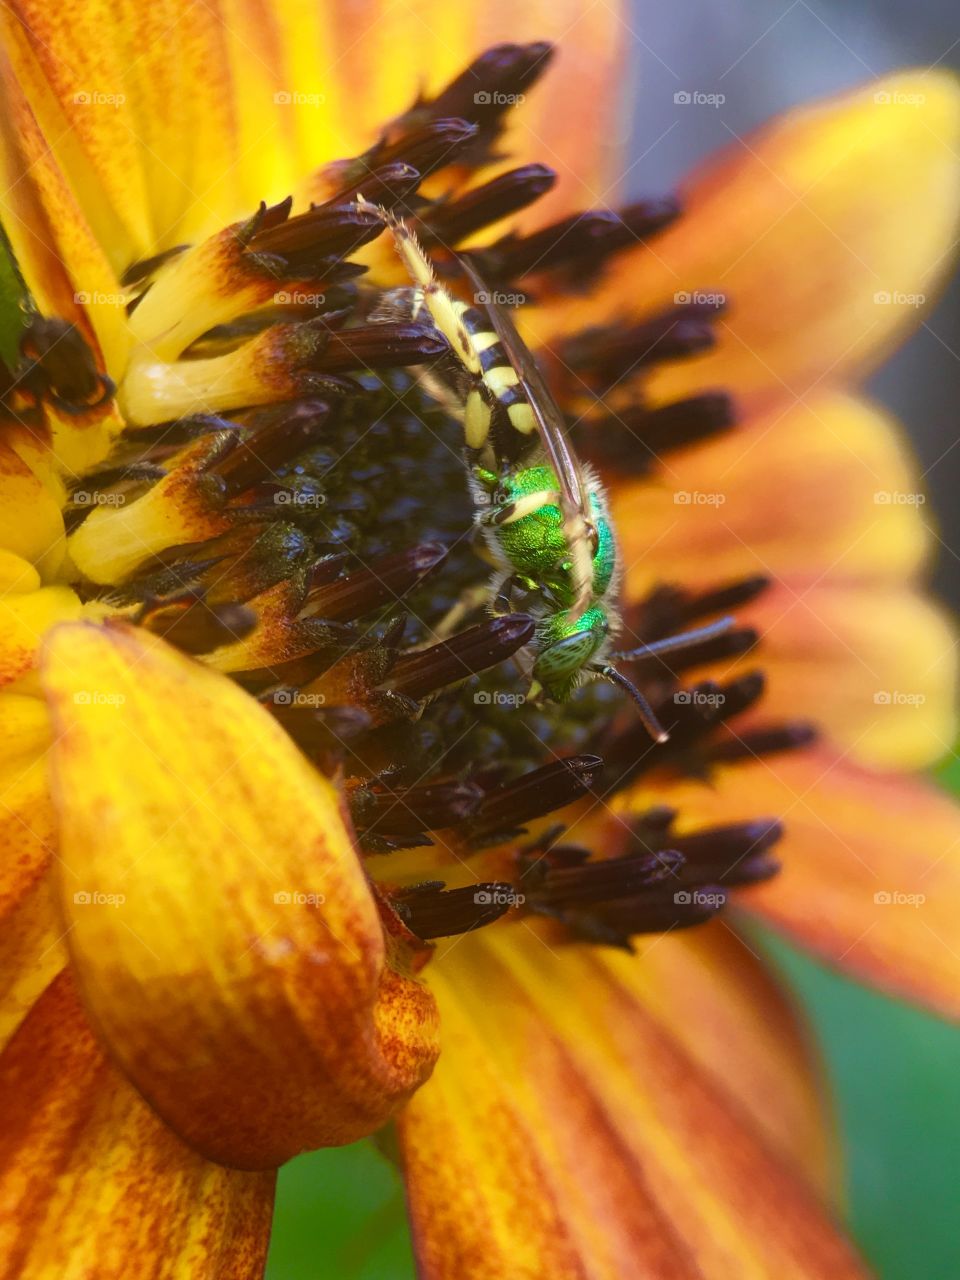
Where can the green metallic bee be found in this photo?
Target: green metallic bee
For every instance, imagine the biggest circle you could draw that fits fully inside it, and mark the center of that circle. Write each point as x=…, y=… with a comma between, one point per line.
x=544, y=516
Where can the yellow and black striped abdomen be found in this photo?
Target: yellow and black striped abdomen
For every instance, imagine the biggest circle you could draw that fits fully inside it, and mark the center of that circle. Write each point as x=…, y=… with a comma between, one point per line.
x=497, y=374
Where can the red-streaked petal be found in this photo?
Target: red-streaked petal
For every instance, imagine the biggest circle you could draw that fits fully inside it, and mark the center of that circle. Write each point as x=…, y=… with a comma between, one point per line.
x=221, y=928
x=566, y=1132
x=92, y=1183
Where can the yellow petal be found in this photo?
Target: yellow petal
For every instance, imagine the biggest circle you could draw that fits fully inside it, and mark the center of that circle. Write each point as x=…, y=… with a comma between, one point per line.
x=32, y=950
x=31, y=525
x=94, y=1184
x=168, y=122
x=62, y=255
x=25, y=617
x=818, y=491
x=824, y=230
x=871, y=873
x=567, y=1133
x=223, y=933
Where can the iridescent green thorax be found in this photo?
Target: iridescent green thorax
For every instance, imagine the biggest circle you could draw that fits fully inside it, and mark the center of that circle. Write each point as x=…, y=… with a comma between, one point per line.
x=536, y=545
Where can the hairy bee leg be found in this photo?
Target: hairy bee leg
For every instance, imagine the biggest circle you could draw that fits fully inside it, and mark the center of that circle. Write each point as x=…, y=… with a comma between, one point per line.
x=501, y=603
x=525, y=506
x=471, y=599
x=445, y=311
x=683, y=640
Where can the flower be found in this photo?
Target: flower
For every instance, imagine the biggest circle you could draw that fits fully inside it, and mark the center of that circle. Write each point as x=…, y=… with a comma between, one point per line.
x=227, y=753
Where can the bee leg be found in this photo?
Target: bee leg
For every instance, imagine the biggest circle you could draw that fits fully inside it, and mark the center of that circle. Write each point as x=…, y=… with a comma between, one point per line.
x=471, y=599
x=528, y=505
x=502, y=602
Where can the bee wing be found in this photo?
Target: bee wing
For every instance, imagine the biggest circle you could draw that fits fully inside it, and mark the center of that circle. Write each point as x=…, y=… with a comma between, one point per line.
x=574, y=499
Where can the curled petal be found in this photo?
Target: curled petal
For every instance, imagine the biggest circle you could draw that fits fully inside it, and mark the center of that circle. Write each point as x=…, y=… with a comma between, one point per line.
x=567, y=1132
x=223, y=933
x=92, y=1179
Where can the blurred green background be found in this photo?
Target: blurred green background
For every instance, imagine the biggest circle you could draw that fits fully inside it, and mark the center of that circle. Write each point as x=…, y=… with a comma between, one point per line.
x=895, y=1075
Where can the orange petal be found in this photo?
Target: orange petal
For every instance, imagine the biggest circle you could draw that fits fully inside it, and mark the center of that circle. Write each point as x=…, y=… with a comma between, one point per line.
x=222, y=930
x=32, y=950
x=167, y=122
x=800, y=493
x=871, y=866
x=824, y=230
x=876, y=669
x=61, y=252
x=567, y=1133
x=93, y=1183
x=708, y=990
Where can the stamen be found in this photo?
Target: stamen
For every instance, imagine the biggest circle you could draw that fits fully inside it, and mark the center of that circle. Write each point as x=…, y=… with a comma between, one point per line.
x=425, y=148
x=584, y=240
x=416, y=675
x=411, y=811
x=633, y=440
x=195, y=625
x=508, y=193
x=387, y=186
x=605, y=357
x=507, y=808
x=384, y=582
x=763, y=742
x=277, y=439
x=431, y=911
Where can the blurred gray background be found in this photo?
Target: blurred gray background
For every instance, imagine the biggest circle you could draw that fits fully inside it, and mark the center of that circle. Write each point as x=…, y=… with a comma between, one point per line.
x=765, y=56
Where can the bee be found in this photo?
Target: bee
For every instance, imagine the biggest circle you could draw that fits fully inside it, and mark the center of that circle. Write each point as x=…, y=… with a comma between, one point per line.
x=544, y=516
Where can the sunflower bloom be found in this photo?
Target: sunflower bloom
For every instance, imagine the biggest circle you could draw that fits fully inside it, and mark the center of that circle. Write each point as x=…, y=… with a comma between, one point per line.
x=286, y=858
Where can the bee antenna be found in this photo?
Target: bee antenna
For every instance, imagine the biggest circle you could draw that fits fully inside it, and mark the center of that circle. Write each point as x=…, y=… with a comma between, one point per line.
x=647, y=714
